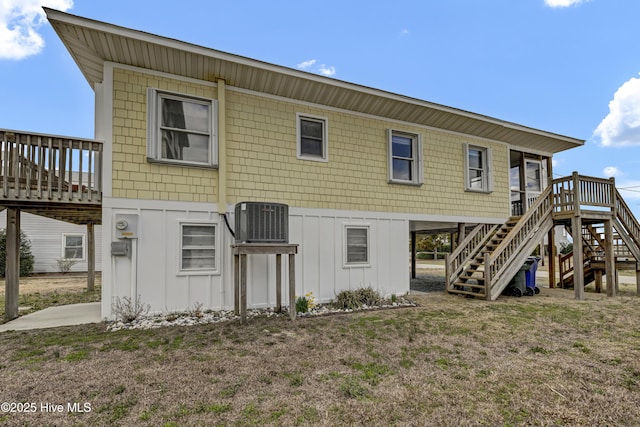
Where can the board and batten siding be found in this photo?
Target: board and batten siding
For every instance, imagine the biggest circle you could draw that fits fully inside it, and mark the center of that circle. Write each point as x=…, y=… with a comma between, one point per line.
x=152, y=274
x=46, y=237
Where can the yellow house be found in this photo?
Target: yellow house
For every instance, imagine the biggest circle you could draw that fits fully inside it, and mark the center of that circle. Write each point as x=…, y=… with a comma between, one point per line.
x=188, y=132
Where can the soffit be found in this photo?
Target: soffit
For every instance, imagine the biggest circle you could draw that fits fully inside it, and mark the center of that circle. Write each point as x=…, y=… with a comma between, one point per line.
x=92, y=43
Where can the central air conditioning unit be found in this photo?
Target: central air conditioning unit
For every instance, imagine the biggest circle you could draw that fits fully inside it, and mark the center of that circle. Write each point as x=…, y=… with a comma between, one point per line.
x=262, y=222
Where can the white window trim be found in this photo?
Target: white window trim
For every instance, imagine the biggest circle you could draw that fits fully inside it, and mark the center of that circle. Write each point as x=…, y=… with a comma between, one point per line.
x=325, y=139
x=417, y=167
x=218, y=253
x=487, y=180
x=64, y=246
x=345, y=262
x=153, y=127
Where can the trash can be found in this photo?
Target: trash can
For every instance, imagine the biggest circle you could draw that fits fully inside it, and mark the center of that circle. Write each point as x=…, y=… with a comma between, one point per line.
x=530, y=276
x=518, y=285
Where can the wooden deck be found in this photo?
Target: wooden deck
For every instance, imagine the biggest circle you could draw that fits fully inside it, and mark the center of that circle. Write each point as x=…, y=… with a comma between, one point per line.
x=52, y=176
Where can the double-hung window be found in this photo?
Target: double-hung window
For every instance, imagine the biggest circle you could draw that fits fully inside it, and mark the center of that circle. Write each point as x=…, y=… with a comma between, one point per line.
x=181, y=129
x=405, y=158
x=312, y=138
x=477, y=171
x=73, y=246
x=356, y=245
x=197, y=247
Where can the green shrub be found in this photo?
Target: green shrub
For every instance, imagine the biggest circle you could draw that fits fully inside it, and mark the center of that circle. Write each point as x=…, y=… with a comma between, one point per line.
x=26, y=257
x=351, y=300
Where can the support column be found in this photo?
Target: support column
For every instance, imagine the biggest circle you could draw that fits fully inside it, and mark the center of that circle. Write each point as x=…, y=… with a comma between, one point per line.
x=461, y=232
x=551, y=251
x=12, y=265
x=638, y=279
x=91, y=257
x=413, y=254
x=610, y=259
x=578, y=258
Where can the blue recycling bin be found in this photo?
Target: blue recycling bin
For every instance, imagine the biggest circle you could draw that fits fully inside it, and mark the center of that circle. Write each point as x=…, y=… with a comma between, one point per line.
x=530, y=275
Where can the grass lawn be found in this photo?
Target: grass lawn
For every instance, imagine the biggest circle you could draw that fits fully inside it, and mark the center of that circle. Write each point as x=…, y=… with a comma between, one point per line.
x=544, y=360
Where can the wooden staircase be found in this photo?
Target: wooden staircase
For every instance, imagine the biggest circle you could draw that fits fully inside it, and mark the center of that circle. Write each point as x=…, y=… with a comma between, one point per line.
x=486, y=261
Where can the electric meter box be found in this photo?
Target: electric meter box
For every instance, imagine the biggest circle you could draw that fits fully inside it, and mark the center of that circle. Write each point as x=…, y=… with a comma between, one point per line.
x=126, y=226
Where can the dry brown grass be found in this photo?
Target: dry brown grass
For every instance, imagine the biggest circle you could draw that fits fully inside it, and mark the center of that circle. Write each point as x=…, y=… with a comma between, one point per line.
x=544, y=360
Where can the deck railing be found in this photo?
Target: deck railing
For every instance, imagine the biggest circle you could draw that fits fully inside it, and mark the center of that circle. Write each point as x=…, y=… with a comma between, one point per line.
x=589, y=192
x=35, y=167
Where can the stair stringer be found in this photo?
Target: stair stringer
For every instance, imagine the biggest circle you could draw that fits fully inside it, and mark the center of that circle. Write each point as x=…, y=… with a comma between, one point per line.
x=500, y=282
x=626, y=238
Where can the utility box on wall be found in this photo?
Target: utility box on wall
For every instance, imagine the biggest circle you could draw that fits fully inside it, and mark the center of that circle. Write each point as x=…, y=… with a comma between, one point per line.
x=126, y=226
x=262, y=222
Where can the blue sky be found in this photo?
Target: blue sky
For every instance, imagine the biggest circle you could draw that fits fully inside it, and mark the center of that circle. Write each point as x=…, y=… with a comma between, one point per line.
x=565, y=66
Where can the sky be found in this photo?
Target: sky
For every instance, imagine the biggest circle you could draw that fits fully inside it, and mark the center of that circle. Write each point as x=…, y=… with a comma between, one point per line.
x=570, y=67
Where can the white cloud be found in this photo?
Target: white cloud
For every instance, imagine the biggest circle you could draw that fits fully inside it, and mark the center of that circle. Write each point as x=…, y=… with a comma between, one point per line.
x=610, y=171
x=404, y=32
x=563, y=3
x=321, y=69
x=327, y=71
x=19, y=24
x=306, y=64
x=621, y=127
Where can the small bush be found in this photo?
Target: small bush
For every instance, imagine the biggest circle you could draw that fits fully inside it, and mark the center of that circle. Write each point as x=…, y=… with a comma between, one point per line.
x=127, y=310
x=351, y=300
x=26, y=257
x=305, y=303
x=64, y=265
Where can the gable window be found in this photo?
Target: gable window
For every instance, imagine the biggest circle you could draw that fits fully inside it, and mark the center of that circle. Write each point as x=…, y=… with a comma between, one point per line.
x=197, y=247
x=356, y=245
x=181, y=129
x=312, y=138
x=73, y=246
x=405, y=158
x=477, y=172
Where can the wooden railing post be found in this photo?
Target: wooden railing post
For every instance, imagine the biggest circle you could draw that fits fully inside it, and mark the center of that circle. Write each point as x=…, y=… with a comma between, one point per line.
x=576, y=193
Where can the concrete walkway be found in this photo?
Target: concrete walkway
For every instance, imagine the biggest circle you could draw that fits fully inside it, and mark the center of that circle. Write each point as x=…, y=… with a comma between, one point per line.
x=52, y=317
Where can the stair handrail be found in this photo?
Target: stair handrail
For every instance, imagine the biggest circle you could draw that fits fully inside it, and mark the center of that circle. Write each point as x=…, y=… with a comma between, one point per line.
x=466, y=250
x=501, y=258
x=627, y=218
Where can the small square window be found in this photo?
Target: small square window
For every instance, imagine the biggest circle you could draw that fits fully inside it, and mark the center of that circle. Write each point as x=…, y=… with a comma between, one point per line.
x=356, y=245
x=198, y=247
x=73, y=246
x=312, y=138
x=181, y=130
x=405, y=158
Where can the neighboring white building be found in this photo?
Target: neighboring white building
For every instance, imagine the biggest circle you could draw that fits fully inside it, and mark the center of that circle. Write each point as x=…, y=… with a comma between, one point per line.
x=53, y=240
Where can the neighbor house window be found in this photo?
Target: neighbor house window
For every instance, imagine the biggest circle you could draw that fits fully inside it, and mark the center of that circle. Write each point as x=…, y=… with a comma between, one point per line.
x=477, y=173
x=73, y=246
x=357, y=244
x=405, y=158
x=181, y=129
x=312, y=138
x=197, y=247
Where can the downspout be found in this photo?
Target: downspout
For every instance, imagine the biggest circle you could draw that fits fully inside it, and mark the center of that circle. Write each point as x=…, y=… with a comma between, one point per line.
x=222, y=147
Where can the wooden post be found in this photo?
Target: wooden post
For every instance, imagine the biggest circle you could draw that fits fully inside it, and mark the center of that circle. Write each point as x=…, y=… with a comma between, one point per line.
x=278, y=283
x=243, y=289
x=638, y=279
x=413, y=254
x=487, y=276
x=292, y=286
x=578, y=258
x=551, y=251
x=91, y=257
x=12, y=265
x=236, y=284
x=598, y=277
x=609, y=259
x=461, y=232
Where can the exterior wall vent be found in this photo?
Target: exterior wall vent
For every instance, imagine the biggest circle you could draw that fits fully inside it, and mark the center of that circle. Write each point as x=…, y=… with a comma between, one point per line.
x=262, y=222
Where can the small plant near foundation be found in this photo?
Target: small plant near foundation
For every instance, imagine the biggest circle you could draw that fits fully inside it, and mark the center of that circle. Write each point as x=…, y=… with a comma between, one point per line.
x=358, y=298
x=305, y=303
x=127, y=310
x=64, y=265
